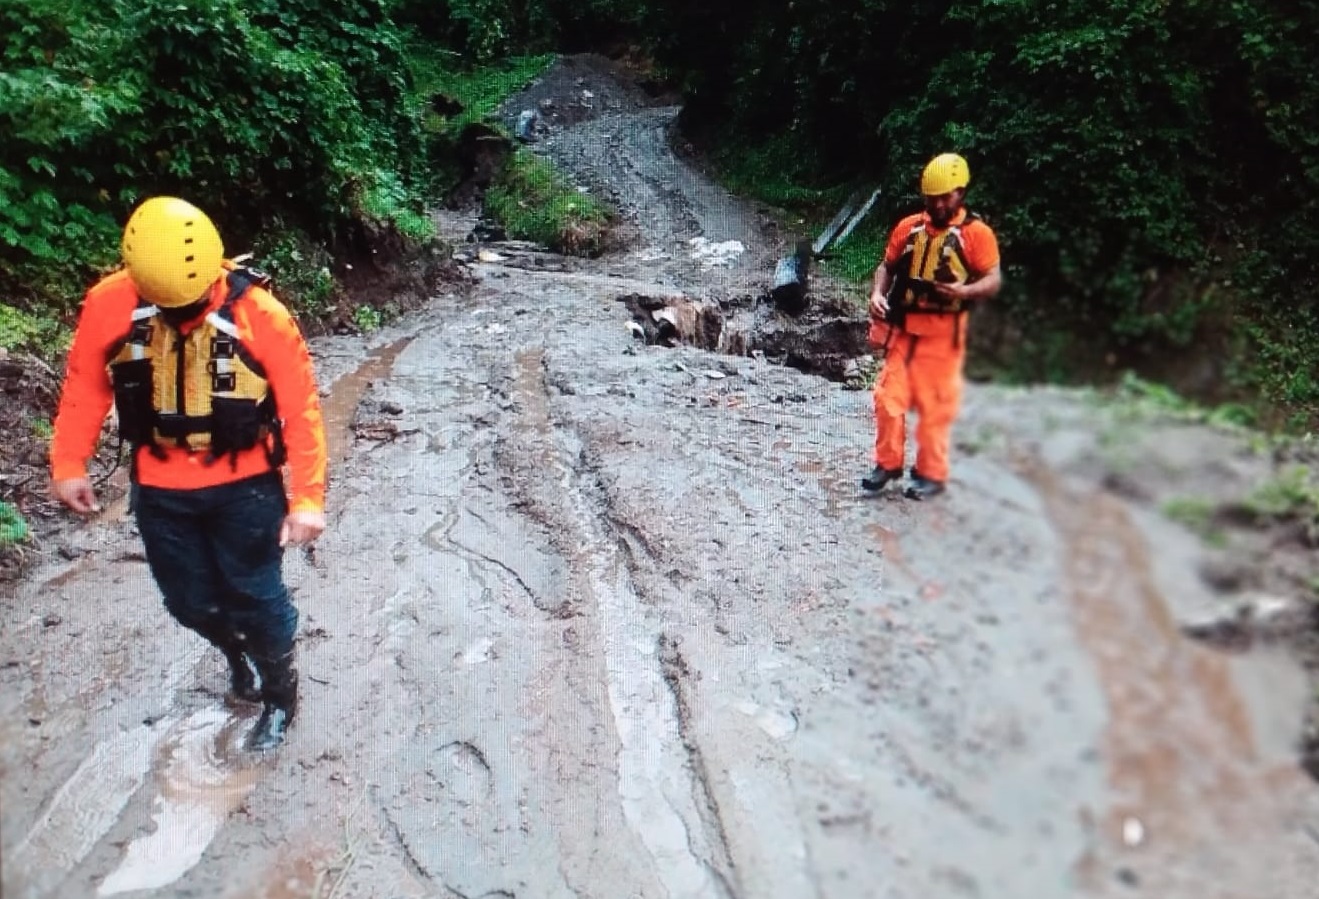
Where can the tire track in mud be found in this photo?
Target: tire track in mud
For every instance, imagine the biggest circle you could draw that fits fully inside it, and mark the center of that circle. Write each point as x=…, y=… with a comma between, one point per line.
x=677, y=676
x=664, y=797
x=1185, y=774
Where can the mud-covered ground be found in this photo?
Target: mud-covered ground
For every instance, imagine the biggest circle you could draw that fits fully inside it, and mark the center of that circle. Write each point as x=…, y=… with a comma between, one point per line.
x=600, y=616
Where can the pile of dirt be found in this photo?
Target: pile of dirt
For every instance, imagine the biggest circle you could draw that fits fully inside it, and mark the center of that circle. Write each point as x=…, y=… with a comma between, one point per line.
x=574, y=90
x=386, y=272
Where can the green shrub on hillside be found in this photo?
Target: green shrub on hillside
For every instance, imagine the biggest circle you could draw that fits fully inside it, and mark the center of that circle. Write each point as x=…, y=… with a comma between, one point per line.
x=535, y=202
x=253, y=110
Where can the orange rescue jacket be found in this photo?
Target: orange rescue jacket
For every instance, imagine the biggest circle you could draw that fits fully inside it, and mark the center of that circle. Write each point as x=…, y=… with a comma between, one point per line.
x=961, y=252
x=264, y=328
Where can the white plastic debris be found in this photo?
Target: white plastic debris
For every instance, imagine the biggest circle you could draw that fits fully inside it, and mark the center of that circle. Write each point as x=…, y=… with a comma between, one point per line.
x=1133, y=832
x=490, y=256
x=710, y=253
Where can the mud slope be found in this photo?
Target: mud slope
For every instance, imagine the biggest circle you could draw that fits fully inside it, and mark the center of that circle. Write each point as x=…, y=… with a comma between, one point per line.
x=597, y=618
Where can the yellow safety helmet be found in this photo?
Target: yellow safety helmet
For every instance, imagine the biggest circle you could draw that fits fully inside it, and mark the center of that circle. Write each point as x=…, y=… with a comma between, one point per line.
x=172, y=250
x=944, y=174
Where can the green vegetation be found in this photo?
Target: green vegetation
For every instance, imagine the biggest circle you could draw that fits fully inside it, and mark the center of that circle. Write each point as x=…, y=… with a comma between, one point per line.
x=439, y=75
x=478, y=90
x=1198, y=515
x=252, y=110
x=298, y=266
x=42, y=428
x=1292, y=495
x=1136, y=399
x=536, y=203
x=367, y=318
x=13, y=527
x=31, y=333
x=1138, y=159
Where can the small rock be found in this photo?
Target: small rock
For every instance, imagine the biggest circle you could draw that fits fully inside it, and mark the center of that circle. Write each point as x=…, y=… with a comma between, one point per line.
x=52, y=620
x=1227, y=575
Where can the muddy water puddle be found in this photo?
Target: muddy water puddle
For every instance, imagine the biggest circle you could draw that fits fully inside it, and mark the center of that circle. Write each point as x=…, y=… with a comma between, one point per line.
x=199, y=782
x=340, y=407
x=195, y=770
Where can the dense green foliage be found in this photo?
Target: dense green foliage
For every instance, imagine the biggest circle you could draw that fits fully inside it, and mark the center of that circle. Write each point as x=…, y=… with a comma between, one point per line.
x=485, y=31
x=291, y=109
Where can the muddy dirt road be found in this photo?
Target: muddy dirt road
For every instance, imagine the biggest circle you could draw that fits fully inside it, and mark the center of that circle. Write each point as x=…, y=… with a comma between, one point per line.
x=598, y=618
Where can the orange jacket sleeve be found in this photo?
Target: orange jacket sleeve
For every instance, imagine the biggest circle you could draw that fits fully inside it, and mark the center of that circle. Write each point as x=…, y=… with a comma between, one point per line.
x=980, y=245
x=279, y=344
x=87, y=394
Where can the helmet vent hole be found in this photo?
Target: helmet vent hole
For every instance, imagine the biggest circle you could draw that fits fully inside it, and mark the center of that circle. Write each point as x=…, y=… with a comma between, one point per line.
x=191, y=275
x=190, y=259
x=187, y=240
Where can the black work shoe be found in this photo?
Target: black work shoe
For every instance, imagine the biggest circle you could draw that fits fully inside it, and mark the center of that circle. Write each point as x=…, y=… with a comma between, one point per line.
x=270, y=728
x=242, y=679
x=879, y=477
x=923, y=488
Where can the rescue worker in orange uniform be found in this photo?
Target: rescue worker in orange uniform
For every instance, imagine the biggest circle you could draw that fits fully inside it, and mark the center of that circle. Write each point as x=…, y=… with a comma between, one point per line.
x=937, y=265
x=214, y=390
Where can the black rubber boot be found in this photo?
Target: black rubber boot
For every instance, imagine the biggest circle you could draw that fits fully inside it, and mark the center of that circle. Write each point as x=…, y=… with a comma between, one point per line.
x=242, y=678
x=923, y=488
x=879, y=477
x=279, y=692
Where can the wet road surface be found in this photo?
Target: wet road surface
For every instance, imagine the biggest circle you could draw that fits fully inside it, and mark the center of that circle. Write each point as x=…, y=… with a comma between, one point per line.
x=592, y=621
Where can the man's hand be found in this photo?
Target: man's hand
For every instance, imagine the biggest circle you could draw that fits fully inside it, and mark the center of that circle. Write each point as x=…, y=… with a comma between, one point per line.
x=76, y=493
x=878, y=305
x=952, y=292
x=301, y=528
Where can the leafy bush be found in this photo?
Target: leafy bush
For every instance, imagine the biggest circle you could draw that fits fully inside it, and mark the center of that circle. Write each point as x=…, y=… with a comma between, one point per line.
x=254, y=110
x=13, y=527
x=23, y=331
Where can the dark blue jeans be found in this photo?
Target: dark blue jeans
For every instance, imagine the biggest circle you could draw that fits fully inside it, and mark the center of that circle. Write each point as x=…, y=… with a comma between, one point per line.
x=215, y=555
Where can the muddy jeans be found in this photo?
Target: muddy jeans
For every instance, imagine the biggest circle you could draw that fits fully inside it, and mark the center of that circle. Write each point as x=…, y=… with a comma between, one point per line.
x=215, y=555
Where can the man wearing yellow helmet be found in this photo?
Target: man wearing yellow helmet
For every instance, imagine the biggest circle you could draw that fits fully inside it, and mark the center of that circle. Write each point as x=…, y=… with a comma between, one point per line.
x=213, y=388
x=937, y=265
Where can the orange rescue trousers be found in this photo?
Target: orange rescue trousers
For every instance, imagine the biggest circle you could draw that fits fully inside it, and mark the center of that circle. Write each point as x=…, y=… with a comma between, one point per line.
x=924, y=374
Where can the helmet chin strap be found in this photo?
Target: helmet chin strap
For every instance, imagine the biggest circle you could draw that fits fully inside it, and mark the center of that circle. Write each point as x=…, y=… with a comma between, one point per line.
x=178, y=315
